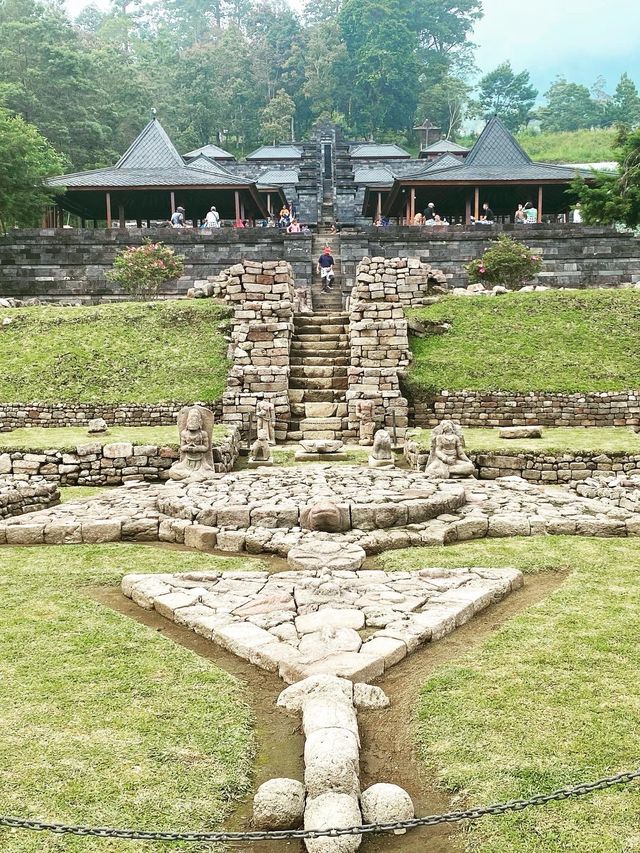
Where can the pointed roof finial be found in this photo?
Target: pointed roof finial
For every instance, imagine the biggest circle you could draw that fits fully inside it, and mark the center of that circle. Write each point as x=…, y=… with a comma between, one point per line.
x=154, y=113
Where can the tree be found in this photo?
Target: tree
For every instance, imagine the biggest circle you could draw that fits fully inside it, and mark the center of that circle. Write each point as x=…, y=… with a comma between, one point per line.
x=443, y=102
x=569, y=107
x=624, y=106
x=508, y=95
x=275, y=124
x=26, y=161
x=444, y=27
x=615, y=197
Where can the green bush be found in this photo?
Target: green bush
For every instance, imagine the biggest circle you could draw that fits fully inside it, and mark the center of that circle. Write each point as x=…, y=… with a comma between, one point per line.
x=140, y=270
x=506, y=262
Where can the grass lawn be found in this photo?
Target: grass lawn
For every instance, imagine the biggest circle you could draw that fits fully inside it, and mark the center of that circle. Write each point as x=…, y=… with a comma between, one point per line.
x=550, y=700
x=579, y=146
x=554, y=440
x=79, y=493
x=104, y=721
x=68, y=438
x=550, y=341
x=124, y=353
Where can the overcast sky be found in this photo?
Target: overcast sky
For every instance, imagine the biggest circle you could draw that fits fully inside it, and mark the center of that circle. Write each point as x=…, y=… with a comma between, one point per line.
x=580, y=39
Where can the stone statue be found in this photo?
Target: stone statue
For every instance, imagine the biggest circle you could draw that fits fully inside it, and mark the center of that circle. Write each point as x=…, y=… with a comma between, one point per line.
x=447, y=458
x=365, y=412
x=382, y=455
x=302, y=305
x=325, y=516
x=195, y=426
x=266, y=419
x=261, y=450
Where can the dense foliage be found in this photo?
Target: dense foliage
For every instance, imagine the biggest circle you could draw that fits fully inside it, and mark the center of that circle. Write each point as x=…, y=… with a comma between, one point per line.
x=615, y=198
x=26, y=160
x=140, y=270
x=506, y=262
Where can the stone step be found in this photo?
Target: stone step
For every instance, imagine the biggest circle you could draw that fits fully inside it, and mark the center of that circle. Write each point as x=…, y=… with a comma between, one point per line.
x=318, y=371
x=294, y=435
x=318, y=384
x=339, y=318
x=316, y=347
x=322, y=329
x=304, y=339
x=312, y=395
x=319, y=361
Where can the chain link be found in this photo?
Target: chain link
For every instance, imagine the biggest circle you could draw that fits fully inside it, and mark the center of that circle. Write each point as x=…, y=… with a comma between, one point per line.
x=431, y=820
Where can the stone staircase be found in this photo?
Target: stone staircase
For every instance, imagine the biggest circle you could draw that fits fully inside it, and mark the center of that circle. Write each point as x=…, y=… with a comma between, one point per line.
x=326, y=302
x=318, y=382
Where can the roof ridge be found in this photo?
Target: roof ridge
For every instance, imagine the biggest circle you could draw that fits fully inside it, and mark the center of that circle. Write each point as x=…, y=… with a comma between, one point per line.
x=142, y=144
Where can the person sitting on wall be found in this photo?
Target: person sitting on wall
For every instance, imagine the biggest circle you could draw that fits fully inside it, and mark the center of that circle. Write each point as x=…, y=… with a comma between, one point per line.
x=177, y=219
x=429, y=213
x=487, y=217
x=531, y=214
x=520, y=217
x=294, y=228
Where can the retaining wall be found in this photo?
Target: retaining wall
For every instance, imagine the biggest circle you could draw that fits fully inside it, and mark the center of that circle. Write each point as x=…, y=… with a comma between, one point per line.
x=70, y=265
x=18, y=497
x=95, y=464
x=573, y=256
x=492, y=409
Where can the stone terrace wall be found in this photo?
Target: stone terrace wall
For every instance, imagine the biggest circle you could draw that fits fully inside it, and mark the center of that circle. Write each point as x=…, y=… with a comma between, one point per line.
x=541, y=467
x=18, y=415
x=70, y=265
x=492, y=409
x=95, y=464
x=573, y=256
x=18, y=497
x=378, y=338
x=262, y=297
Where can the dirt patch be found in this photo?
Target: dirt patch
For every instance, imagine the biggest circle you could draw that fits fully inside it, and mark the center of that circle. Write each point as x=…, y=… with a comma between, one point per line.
x=388, y=737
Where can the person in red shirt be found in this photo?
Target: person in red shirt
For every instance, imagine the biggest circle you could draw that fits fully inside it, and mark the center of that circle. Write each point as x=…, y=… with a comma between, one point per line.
x=325, y=268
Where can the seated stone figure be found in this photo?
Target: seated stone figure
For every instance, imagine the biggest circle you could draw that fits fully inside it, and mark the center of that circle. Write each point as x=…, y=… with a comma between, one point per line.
x=381, y=455
x=261, y=449
x=195, y=426
x=447, y=458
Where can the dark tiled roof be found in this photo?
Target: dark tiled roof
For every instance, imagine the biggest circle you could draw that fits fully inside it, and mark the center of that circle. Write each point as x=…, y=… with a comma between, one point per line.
x=152, y=148
x=277, y=178
x=376, y=176
x=497, y=147
x=211, y=151
x=443, y=146
x=276, y=152
x=376, y=151
x=446, y=161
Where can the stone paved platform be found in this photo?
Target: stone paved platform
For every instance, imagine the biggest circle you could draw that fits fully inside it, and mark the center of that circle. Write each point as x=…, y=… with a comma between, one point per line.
x=354, y=625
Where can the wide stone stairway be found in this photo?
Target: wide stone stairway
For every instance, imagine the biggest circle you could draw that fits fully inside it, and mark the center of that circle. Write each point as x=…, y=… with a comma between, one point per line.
x=319, y=360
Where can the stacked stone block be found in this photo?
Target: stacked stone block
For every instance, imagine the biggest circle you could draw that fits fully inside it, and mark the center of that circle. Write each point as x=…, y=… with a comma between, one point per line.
x=18, y=497
x=261, y=295
x=378, y=337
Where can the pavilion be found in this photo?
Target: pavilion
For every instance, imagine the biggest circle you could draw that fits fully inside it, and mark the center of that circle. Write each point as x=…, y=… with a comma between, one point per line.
x=497, y=170
x=151, y=179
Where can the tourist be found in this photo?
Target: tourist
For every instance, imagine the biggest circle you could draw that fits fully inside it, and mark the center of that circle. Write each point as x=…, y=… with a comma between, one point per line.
x=325, y=268
x=294, y=228
x=429, y=213
x=488, y=216
x=531, y=214
x=418, y=219
x=177, y=219
x=335, y=228
x=285, y=217
x=439, y=221
x=520, y=216
x=577, y=214
x=239, y=223
x=212, y=219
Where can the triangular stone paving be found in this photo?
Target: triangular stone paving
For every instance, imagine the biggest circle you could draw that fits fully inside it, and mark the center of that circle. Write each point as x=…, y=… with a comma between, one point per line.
x=351, y=624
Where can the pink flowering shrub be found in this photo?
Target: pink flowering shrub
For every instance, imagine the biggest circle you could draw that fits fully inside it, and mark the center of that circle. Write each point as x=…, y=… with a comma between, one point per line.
x=140, y=270
x=506, y=262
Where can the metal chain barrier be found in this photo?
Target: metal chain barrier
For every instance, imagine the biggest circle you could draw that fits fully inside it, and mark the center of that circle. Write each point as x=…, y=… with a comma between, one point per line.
x=431, y=820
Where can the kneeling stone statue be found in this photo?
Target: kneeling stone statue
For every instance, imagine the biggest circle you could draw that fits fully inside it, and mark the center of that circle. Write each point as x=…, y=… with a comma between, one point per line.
x=381, y=455
x=447, y=458
x=195, y=427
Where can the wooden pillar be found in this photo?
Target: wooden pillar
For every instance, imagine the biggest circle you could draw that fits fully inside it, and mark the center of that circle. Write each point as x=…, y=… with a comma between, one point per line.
x=148, y=223
x=269, y=203
x=242, y=211
x=412, y=208
x=83, y=223
x=379, y=207
x=138, y=223
x=467, y=211
x=122, y=223
x=237, y=200
x=476, y=203
x=108, y=210
x=407, y=211
x=539, y=204
x=173, y=202
x=95, y=223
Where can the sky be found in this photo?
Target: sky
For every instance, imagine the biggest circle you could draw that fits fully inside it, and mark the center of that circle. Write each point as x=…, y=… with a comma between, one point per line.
x=579, y=39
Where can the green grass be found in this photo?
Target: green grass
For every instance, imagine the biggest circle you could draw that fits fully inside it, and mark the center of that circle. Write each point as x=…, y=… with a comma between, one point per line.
x=125, y=353
x=79, y=493
x=68, y=438
x=554, y=440
x=104, y=721
x=550, y=341
x=580, y=146
x=550, y=700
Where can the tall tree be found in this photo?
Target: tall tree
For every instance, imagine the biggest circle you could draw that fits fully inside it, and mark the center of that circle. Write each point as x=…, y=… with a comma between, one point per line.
x=624, y=106
x=569, y=107
x=506, y=94
x=444, y=28
x=276, y=118
x=443, y=102
x=26, y=160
